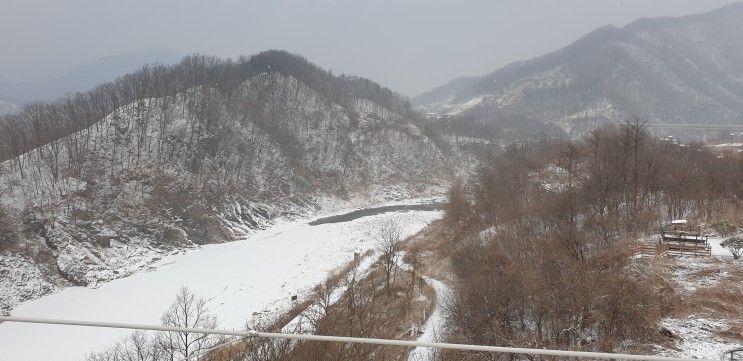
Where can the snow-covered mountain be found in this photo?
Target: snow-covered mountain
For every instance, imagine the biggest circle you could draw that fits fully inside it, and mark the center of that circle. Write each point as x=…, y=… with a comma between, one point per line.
x=242, y=143
x=671, y=70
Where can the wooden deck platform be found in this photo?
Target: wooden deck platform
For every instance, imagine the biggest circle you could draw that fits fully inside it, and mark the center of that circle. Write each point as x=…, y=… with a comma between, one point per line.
x=672, y=248
x=685, y=248
x=678, y=238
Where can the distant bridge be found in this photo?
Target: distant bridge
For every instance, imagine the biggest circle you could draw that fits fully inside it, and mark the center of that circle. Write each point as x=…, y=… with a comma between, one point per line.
x=705, y=128
x=694, y=126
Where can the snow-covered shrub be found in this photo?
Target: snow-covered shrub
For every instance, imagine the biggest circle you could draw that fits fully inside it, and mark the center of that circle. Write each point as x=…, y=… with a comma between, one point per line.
x=724, y=228
x=734, y=245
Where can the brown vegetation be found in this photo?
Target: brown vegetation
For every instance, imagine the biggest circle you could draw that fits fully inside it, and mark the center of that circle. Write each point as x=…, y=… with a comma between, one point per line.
x=543, y=259
x=368, y=306
x=720, y=295
x=367, y=309
x=707, y=304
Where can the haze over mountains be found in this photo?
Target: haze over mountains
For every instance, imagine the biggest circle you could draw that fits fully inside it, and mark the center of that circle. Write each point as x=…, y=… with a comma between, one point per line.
x=668, y=70
x=86, y=76
x=266, y=193
x=7, y=107
x=98, y=185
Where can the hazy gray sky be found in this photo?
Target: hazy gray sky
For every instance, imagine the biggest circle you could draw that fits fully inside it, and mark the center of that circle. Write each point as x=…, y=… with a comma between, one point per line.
x=408, y=45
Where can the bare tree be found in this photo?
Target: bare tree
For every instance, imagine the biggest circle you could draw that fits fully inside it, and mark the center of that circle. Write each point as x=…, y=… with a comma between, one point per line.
x=388, y=236
x=260, y=349
x=135, y=347
x=457, y=205
x=187, y=311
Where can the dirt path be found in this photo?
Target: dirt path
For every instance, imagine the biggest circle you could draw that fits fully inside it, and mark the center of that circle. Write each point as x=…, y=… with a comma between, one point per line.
x=435, y=327
x=431, y=250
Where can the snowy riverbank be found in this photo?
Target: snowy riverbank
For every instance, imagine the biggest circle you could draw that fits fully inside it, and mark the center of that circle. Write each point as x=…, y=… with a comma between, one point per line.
x=255, y=275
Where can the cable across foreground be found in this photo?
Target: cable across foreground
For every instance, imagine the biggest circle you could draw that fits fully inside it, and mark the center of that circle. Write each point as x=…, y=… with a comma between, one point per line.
x=344, y=339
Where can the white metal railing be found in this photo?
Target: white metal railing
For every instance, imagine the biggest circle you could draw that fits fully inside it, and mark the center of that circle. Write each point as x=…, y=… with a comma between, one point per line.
x=374, y=341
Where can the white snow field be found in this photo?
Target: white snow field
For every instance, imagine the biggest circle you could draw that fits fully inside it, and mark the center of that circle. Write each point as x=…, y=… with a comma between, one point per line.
x=718, y=250
x=257, y=276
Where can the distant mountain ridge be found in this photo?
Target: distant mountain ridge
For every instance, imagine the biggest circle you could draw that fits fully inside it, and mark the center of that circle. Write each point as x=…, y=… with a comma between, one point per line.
x=669, y=70
x=6, y=107
x=447, y=90
x=85, y=77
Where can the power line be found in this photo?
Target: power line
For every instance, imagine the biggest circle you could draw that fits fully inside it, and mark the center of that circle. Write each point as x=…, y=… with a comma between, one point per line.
x=344, y=339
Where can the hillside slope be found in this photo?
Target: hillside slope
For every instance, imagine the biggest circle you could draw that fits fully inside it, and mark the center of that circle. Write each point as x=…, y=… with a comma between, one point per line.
x=669, y=70
x=243, y=143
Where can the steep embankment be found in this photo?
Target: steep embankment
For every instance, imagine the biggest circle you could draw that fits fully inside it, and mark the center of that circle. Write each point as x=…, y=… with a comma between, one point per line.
x=201, y=165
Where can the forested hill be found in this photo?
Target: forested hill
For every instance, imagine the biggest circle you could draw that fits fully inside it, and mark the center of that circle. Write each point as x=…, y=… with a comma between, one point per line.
x=78, y=111
x=673, y=70
x=100, y=183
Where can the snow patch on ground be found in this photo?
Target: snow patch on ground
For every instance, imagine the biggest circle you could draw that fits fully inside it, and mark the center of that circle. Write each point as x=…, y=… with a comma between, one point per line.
x=717, y=249
x=698, y=335
x=696, y=338
x=696, y=274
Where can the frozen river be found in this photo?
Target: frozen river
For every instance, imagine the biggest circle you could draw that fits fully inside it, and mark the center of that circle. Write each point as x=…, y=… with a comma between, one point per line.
x=258, y=274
